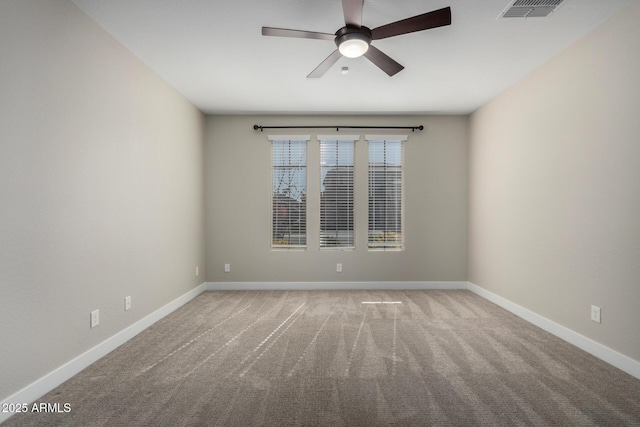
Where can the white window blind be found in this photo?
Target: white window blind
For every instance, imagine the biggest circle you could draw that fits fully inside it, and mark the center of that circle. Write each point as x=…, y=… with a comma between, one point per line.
x=386, y=202
x=336, y=192
x=289, y=192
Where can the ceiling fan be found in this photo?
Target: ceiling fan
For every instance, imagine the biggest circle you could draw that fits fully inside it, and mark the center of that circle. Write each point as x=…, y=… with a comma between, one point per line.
x=354, y=39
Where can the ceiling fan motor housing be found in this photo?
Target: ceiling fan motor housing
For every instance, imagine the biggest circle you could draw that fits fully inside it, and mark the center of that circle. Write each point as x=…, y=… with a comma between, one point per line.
x=354, y=35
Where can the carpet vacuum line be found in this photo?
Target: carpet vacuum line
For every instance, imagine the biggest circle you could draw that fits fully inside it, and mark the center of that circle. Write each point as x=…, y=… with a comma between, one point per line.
x=230, y=341
x=187, y=344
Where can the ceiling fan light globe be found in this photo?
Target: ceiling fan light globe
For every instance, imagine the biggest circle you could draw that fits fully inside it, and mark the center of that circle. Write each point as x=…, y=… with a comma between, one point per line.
x=353, y=48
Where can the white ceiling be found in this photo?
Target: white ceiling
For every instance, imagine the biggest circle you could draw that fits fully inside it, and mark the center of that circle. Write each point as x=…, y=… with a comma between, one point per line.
x=212, y=51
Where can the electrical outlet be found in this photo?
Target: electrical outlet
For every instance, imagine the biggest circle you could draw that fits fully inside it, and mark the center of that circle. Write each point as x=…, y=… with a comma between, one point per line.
x=227, y=268
x=127, y=303
x=95, y=318
x=595, y=313
x=339, y=268
x=197, y=271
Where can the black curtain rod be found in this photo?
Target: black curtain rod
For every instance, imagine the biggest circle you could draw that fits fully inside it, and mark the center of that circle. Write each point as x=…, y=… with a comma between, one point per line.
x=413, y=128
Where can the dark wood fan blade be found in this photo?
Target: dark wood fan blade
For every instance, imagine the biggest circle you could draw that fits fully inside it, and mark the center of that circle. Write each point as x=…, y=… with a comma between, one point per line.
x=382, y=61
x=352, y=12
x=283, y=32
x=437, y=18
x=325, y=65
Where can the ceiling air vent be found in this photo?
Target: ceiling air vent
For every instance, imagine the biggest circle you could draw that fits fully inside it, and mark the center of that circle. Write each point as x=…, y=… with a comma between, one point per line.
x=530, y=8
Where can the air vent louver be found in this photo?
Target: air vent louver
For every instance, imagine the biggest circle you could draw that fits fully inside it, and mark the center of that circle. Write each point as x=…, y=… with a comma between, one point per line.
x=530, y=8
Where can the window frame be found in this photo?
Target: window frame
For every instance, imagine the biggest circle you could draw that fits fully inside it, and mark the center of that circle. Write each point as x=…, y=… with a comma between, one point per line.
x=302, y=140
x=388, y=242
x=349, y=197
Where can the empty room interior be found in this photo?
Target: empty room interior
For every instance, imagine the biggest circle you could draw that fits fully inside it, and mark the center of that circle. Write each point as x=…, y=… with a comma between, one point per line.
x=320, y=213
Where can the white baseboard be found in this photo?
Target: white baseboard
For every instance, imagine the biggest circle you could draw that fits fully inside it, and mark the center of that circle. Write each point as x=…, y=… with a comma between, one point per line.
x=50, y=381
x=612, y=357
x=53, y=379
x=307, y=286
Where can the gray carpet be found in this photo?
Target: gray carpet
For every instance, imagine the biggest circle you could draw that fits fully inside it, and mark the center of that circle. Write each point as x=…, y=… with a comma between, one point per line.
x=280, y=358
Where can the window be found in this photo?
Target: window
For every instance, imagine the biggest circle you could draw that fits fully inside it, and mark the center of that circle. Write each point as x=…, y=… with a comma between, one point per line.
x=336, y=191
x=289, y=192
x=385, y=193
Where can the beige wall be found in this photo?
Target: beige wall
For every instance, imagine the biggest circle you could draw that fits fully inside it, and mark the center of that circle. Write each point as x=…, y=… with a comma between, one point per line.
x=238, y=207
x=554, y=184
x=101, y=188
